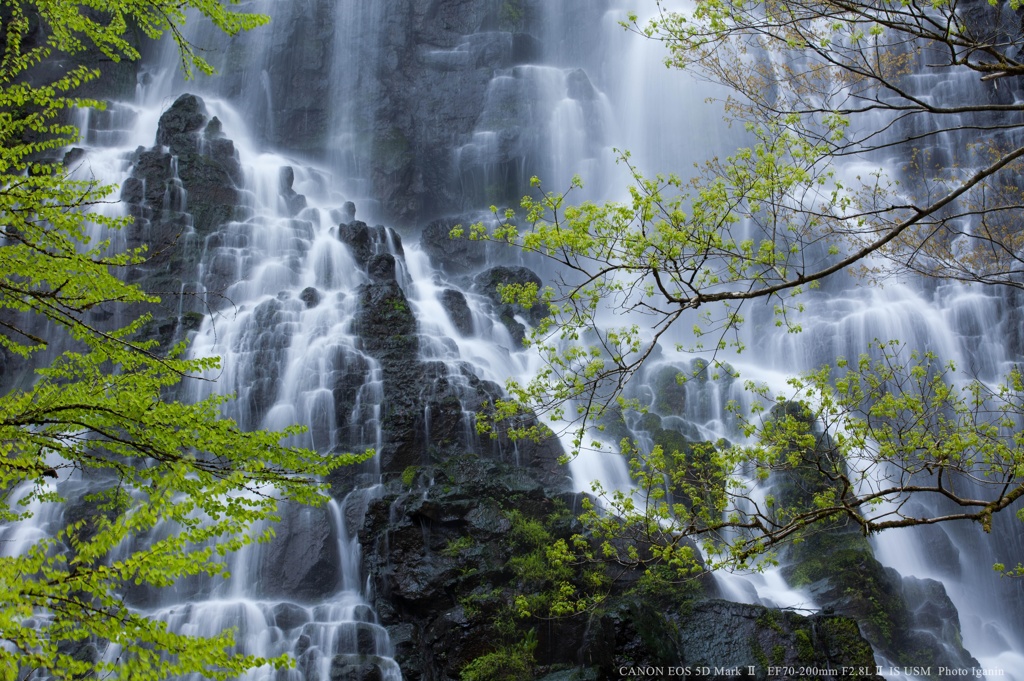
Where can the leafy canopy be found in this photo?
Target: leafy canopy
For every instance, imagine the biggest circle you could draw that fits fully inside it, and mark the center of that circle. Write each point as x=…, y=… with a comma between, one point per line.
x=97, y=427
x=813, y=85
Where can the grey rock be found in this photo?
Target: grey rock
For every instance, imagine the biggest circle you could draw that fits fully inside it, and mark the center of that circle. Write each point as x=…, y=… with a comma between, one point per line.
x=455, y=305
x=454, y=256
x=381, y=267
x=301, y=561
x=310, y=296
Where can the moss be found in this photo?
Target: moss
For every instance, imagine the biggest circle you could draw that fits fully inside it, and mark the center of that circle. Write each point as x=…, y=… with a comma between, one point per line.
x=669, y=391
x=759, y=656
x=650, y=422
x=508, y=663
x=190, y=321
x=671, y=441
x=457, y=546
x=804, y=646
x=512, y=15
x=769, y=619
x=860, y=578
x=842, y=639
x=656, y=631
x=840, y=565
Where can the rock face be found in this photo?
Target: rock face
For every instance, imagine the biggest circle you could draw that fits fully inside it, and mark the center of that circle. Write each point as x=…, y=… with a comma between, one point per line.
x=428, y=407
x=909, y=621
x=453, y=256
x=179, y=192
x=206, y=163
x=301, y=564
x=438, y=552
x=410, y=84
x=455, y=305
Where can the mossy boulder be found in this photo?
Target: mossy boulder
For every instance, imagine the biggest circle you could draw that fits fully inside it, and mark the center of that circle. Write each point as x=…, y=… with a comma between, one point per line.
x=836, y=564
x=491, y=284
x=668, y=384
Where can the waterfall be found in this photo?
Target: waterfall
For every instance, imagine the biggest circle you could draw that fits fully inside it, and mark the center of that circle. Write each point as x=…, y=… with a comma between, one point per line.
x=421, y=117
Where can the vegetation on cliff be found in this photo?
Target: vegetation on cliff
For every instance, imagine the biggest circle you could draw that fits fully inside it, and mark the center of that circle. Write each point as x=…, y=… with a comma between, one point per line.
x=96, y=427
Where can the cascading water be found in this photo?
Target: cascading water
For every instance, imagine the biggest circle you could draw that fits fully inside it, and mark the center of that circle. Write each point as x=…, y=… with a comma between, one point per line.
x=425, y=111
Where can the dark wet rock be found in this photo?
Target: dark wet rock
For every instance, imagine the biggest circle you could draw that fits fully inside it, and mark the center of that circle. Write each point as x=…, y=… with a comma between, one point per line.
x=526, y=49
x=355, y=668
x=578, y=85
x=290, y=616
x=310, y=296
x=186, y=116
x=150, y=174
x=294, y=201
x=294, y=111
x=348, y=212
x=207, y=165
x=438, y=558
x=359, y=238
x=734, y=635
x=387, y=326
x=935, y=623
x=844, y=577
x=180, y=192
x=838, y=567
x=364, y=241
x=455, y=305
x=669, y=391
x=408, y=537
x=454, y=256
x=381, y=267
x=301, y=561
x=266, y=339
x=350, y=371
x=73, y=156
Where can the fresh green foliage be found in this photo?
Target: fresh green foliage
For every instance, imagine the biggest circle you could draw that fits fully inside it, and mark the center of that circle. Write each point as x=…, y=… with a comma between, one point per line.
x=99, y=413
x=108, y=25
x=409, y=475
x=555, y=574
x=513, y=662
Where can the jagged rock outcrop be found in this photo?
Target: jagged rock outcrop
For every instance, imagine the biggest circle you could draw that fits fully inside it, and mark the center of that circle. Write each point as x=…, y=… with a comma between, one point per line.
x=427, y=408
x=192, y=147
x=387, y=327
x=438, y=552
x=364, y=241
x=838, y=567
x=179, y=192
